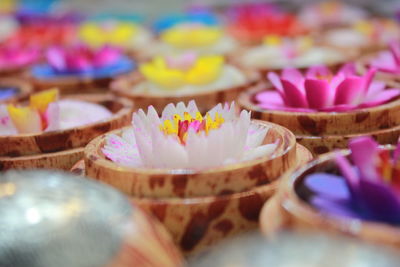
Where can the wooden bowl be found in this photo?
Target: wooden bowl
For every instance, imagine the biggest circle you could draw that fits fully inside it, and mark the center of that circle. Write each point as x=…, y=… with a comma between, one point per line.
x=288, y=210
x=24, y=89
x=59, y=149
x=322, y=131
x=158, y=183
x=205, y=100
x=196, y=223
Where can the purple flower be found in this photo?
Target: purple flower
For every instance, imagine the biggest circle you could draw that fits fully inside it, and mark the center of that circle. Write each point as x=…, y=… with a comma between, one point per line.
x=369, y=189
x=320, y=90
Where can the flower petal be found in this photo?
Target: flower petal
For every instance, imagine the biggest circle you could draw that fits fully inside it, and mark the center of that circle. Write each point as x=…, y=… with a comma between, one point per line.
x=381, y=98
x=269, y=97
x=364, y=152
x=380, y=201
x=328, y=186
x=317, y=93
x=334, y=208
x=292, y=75
x=350, y=91
x=275, y=80
x=375, y=88
x=317, y=71
x=348, y=173
x=348, y=69
x=294, y=97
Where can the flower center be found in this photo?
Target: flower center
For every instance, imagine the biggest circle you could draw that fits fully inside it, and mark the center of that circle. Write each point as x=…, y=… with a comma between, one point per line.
x=179, y=127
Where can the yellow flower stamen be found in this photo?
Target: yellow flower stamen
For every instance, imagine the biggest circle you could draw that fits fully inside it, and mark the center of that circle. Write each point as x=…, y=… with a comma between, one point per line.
x=179, y=127
x=40, y=101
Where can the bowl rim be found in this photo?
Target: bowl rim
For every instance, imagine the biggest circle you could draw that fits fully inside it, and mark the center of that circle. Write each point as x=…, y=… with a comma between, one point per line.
x=92, y=150
x=273, y=186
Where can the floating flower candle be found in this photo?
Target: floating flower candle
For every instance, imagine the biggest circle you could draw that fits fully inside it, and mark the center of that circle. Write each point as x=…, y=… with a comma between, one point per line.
x=331, y=13
x=367, y=190
x=252, y=22
x=113, y=32
x=277, y=52
x=365, y=34
x=46, y=113
x=320, y=90
x=81, y=61
x=184, y=139
x=43, y=35
x=193, y=35
x=188, y=73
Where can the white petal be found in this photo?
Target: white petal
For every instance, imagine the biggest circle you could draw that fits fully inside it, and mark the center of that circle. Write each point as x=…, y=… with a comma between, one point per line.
x=121, y=151
x=6, y=125
x=53, y=116
x=192, y=108
x=256, y=135
x=260, y=151
x=168, y=112
x=152, y=116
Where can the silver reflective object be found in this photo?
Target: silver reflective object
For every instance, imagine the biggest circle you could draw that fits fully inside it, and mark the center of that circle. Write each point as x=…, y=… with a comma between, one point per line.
x=54, y=219
x=296, y=250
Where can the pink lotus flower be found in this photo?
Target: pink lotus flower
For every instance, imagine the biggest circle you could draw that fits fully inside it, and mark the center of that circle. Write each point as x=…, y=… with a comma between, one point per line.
x=81, y=58
x=388, y=61
x=320, y=90
x=14, y=56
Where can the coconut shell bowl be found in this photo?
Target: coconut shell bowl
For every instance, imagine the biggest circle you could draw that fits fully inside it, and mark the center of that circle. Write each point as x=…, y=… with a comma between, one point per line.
x=94, y=223
x=292, y=209
x=322, y=132
x=125, y=87
x=14, y=90
x=200, y=208
x=60, y=149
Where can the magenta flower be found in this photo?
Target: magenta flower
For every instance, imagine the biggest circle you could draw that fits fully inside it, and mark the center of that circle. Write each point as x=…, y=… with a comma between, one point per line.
x=388, y=61
x=369, y=189
x=13, y=56
x=320, y=90
x=81, y=58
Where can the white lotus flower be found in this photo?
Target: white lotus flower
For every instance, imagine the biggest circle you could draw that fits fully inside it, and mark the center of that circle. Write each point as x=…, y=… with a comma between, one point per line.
x=183, y=139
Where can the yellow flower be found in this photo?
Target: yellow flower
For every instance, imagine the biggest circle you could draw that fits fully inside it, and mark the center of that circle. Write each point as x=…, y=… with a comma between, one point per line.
x=205, y=70
x=40, y=101
x=191, y=36
x=118, y=33
x=272, y=40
